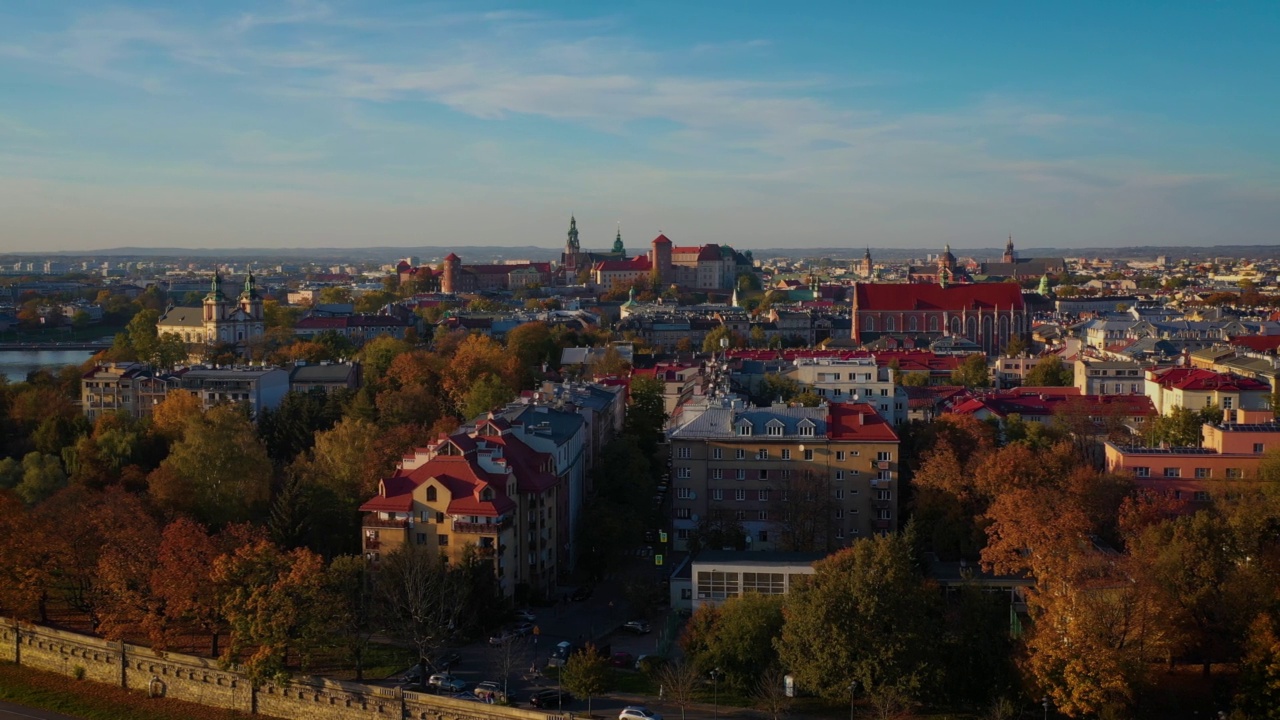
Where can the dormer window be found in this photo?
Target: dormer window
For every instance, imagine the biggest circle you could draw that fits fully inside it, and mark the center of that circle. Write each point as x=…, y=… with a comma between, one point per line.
x=806, y=428
x=775, y=428
x=744, y=428
x=431, y=493
x=486, y=494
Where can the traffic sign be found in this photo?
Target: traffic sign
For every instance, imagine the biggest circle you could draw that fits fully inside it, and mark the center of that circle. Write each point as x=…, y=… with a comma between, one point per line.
x=657, y=559
x=662, y=536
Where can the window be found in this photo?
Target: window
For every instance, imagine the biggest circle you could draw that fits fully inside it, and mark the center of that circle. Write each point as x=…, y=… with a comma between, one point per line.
x=717, y=453
x=839, y=514
x=439, y=518
x=808, y=454
x=717, y=495
x=764, y=536
x=785, y=474
x=775, y=429
x=682, y=534
x=683, y=513
x=740, y=454
x=884, y=495
x=1258, y=448
x=763, y=583
x=744, y=429
x=786, y=454
x=1234, y=474
x=806, y=428
x=739, y=495
x=1203, y=473
x=884, y=456
x=883, y=514
x=686, y=593
x=431, y=493
x=684, y=494
x=1142, y=472
x=1172, y=472
x=839, y=474
x=764, y=474
x=762, y=495
x=1202, y=496
x=684, y=473
x=739, y=514
x=717, y=474
x=839, y=455
x=1227, y=402
x=884, y=392
x=762, y=454
x=422, y=538
x=682, y=452
x=839, y=493
x=837, y=392
x=442, y=540
x=717, y=585
x=740, y=474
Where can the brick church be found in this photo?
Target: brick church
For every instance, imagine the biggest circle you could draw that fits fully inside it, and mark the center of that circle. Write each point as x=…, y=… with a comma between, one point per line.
x=987, y=314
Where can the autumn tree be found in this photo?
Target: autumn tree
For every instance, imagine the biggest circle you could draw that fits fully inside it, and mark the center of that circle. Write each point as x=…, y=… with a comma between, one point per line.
x=741, y=644
x=290, y=428
x=973, y=372
x=419, y=598
x=587, y=673
x=219, y=471
x=170, y=418
x=476, y=357
x=273, y=602
x=867, y=614
x=349, y=606
x=803, y=507
x=1179, y=428
x=680, y=682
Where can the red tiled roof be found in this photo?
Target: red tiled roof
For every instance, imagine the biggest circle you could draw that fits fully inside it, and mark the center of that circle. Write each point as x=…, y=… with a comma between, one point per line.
x=858, y=421
x=395, y=494
x=451, y=257
x=954, y=298
x=1201, y=380
x=661, y=240
x=1257, y=343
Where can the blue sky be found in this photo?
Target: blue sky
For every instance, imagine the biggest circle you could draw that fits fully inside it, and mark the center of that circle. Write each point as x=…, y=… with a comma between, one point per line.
x=759, y=124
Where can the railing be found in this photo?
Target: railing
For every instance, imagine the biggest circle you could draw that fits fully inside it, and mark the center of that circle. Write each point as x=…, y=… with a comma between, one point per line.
x=373, y=521
x=481, y=528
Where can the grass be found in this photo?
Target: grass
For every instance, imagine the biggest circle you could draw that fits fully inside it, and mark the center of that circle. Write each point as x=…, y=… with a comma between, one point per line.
x=96, y=701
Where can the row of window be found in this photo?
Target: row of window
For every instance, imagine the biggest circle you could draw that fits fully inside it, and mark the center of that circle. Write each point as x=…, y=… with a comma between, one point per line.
x=1200, y=473
x=684, y=453
x=763, y=494
x=685, y=473
x=855, y=377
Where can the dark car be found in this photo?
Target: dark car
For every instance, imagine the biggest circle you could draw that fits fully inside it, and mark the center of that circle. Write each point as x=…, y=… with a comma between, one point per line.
x=447, y=660
x=550, y=698
x=639, y=627
x=582, y=593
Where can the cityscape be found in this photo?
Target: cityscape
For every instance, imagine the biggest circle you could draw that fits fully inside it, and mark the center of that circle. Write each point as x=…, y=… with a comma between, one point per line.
x=547, y=363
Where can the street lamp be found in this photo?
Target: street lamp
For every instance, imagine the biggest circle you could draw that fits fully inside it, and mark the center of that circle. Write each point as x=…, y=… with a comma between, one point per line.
x=853, y=690
x=1045, y=702
x=715, y=690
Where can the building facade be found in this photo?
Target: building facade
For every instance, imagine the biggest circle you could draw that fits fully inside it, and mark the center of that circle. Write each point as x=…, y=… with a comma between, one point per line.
x=833, y=468
x=219, y=320
x=987, y=314
x=853, y=380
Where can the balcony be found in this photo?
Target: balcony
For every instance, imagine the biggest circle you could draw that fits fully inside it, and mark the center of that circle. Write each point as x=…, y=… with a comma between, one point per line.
x=882, y=464
x=373, y=521
x=481, y=528
x=881, y=524
x=486, y=553
x=372, y=544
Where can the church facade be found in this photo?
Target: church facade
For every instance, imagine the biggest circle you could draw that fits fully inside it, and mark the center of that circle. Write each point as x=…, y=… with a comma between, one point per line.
x=986, y=314
x=219, y=320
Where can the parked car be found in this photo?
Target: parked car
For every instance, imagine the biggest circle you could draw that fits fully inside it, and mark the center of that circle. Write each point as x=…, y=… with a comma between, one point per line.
x=639, y=627
x=502, y=637
x=488, y=686
x=638, y=712
x=522, y=629
x=622, y=659
x=524, y=615
x=447, y=660
x=443, y=682
x=582, y=593
x=550, y=698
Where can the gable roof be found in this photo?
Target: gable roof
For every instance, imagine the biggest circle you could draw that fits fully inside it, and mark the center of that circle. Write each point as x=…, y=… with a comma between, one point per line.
x=987, y=297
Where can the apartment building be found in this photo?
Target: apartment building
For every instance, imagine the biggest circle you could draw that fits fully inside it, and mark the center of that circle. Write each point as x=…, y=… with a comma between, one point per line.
x=260, y=388
x=1196, y=389
x=859, y=379
x=1095, y=376
x=482, y=492
x=132, y=387
x=837, y=465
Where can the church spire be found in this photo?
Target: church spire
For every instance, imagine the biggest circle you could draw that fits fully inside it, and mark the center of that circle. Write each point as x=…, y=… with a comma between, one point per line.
x=617, y=242
x=215, y=288
x=250, y=286
x=572, y=243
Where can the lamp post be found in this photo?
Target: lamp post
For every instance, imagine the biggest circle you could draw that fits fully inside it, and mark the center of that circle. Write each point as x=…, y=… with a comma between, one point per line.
x=1045, y=703
x=715, y=690
x=853, y=690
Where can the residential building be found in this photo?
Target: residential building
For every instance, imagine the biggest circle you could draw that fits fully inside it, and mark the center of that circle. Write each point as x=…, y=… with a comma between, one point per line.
x=356, y=328
x=837, y=464
x=853, y=380
x=327, y=376
x=719, y=575
x=131, y=387
x=481, y=491
x=1196, y=389
x=680, y=382
x=1096, y=376
x=260, y=388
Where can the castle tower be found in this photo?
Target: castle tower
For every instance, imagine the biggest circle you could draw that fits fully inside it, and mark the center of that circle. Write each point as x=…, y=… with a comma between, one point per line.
x=867, y=266
x=660, y=257
x=452, y=269
x=571, y=245
x=1009, y=255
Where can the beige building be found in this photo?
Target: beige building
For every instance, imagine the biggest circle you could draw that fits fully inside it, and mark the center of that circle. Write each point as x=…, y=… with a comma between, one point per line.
x=1095, y=376
x=853, y=380
x=791, y=478
x=131, y=387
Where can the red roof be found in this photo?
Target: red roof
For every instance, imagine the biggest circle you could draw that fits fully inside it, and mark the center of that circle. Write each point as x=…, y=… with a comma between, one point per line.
x=451, y=257
x=857, y=421
x=661, y=240
x=705, y=252
x=1198, y=379
x=953, y=298
x=1257, y=343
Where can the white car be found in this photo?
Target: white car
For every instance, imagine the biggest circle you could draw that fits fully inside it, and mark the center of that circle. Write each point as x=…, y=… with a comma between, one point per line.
x=447, y=683
x=637, y=712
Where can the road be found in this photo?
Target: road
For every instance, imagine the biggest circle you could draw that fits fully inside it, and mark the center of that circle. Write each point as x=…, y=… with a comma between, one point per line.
x=9, y=711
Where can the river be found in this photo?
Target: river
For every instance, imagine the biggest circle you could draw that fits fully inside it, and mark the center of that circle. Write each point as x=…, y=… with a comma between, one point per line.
x=15, y=364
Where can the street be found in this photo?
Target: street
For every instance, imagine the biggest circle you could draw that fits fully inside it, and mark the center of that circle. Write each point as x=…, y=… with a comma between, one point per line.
x=9, y=711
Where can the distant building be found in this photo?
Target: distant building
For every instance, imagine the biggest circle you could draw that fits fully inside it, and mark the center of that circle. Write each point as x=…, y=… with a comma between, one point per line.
x=1012, y=266
x=133, y=388
x=325, y=376
x=457, y=278
x=693, y=267
x=719, y=575
x=219, y=320
x=356, y=328
x=259, y=388
x=988, y=314
x=575, y=260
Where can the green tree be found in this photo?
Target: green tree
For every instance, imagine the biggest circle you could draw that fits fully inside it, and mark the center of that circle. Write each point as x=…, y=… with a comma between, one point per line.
x=866, y=614
x=348, y=595
x=335, y=295
x=778, y=387
x=143, y=339
x=488, y=392
x=646, y=413
x=1015, y=347
x=742, y=644
x=915, y=379
x=757, y=336
x=587, y=674
x=42, y=476
x=1050, y=372
x=972, y=372
x=1180, y=428
x=219, y=471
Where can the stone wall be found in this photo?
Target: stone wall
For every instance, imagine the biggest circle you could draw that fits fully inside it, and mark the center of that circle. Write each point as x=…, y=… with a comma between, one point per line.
x=199, y=680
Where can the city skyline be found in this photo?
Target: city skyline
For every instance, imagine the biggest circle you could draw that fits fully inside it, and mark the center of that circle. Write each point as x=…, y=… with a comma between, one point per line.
x=308, y=124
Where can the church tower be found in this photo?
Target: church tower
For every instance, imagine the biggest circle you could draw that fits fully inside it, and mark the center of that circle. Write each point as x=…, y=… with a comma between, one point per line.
x=618, y=250
x=867, y=266
x=215, y=303
x=1009, y=255
x=571, y=246
x=947, y=261
x=250, y=300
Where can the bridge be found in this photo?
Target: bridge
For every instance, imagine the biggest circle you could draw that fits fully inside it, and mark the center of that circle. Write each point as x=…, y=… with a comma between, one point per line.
x=29, y=346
